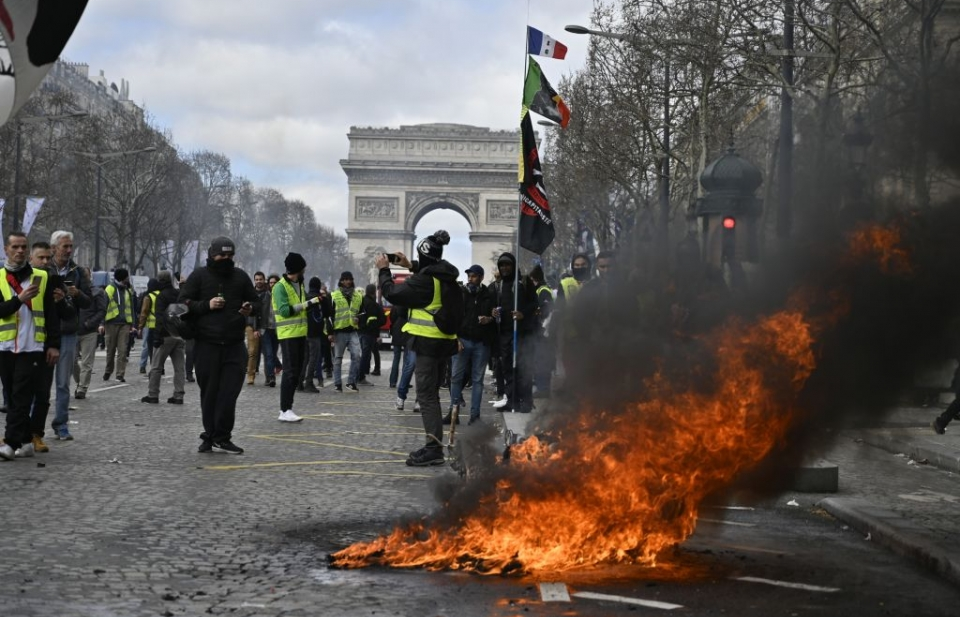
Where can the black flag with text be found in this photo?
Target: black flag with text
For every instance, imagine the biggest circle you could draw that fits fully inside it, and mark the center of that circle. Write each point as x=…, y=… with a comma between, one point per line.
x=536, y=222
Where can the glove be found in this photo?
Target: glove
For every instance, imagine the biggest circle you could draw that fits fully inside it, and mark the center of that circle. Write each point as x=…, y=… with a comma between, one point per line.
x=314, y=300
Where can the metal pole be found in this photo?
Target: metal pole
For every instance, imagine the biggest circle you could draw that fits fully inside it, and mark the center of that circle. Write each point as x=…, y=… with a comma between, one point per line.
x=16, y=180
x=665, y=166
x=785, y=160
x=96, y=232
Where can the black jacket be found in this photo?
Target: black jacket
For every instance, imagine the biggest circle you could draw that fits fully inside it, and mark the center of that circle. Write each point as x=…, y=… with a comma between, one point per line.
x=315, y=315
x=476, y=305
x=74, y=278
x=92, y=316
x=11, y=305
x=398, y=317
x=371, y=308
x=417, y=292
x=223, y=326
x=168, y=295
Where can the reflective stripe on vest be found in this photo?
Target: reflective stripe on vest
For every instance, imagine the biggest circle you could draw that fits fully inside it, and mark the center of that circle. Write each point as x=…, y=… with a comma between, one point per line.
x=421, y=322
x=344, y=314
x=8, y=325
x=571, y=287
x=113, y=306
x=152, y=316
x=294, y=326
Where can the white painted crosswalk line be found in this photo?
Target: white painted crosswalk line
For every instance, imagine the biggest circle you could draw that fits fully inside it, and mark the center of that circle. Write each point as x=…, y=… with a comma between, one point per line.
x=787, y=584
x=589, y=595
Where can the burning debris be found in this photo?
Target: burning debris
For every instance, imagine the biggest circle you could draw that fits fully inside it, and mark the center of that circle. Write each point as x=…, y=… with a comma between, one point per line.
x=620, y=484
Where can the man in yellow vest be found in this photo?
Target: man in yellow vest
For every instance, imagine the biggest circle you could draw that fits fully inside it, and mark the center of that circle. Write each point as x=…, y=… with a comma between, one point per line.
x=562, y=322
x=118, y=323
x=423, y=294
x=147, y=321
x=29, y=341
x=290, y=305
x=345, y=305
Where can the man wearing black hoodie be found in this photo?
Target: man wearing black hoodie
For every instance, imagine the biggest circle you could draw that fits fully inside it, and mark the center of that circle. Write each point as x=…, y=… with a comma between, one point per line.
x=165, y=344
x=518, y=381
x=421, y=293
x=220, y=298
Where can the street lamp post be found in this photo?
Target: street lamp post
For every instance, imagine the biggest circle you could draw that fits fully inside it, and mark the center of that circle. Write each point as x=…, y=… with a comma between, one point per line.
x=664, y=194
x=16, y=170
x=100, y=159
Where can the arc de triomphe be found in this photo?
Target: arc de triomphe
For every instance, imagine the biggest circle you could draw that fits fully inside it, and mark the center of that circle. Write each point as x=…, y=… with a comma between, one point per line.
x=397, y=175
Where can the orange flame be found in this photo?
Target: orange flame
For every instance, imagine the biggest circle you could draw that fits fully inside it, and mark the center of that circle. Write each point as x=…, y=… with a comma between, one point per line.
x=621, y=486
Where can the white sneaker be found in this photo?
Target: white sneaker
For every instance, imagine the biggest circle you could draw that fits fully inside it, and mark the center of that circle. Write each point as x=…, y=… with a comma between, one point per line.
x=416, y=406
x=7, y=452
x=502, y=400
x=24, y=451
x=501, y=403
x=400, y=402
x=289, y=416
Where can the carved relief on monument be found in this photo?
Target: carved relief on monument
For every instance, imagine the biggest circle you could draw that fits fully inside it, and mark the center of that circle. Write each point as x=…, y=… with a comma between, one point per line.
x=383, y=177
x=501, y=212
x=378, y=208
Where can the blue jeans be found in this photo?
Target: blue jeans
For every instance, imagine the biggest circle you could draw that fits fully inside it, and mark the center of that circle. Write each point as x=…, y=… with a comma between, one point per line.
x=343, y=341
x=147, y=352
x=68, y=354
x=473, y=356
x=269, y=345
x=409, y=363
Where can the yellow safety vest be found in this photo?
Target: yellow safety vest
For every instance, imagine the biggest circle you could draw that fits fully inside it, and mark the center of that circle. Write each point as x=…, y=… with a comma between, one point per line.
x=345, y=314
x=152, y=315
x=8, y=325
x=294, y=326
x=113, y=306
x=421, y=322
x=571, y=287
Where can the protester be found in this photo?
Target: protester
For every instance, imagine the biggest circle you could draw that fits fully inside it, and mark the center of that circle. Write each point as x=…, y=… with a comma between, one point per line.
x=474, y=337
x=315, y=337
x=165, y=344
x=147, y=321
x=516, y=369
x=372, y=318
x=90, y=319
x=345, y=306
x=269, y=342
x=220, y=297
x=252, y=331
x=544, y=358
x=428, y=324
x=29, y=340
x=290, y=308
x=404, y=358
x=118, y=323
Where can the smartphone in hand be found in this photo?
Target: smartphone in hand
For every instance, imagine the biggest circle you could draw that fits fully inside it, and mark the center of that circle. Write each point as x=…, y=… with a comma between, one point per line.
x=393, y=258
x=36, y=281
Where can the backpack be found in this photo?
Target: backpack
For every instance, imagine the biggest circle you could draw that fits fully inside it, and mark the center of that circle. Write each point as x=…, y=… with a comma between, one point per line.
x=450, y=316
x=177, y=322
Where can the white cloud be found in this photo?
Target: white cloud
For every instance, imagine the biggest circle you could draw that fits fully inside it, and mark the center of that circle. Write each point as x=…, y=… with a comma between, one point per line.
x=276, y=86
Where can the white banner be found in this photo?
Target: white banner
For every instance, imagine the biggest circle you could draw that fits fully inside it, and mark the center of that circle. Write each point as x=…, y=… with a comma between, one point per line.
x=31, y=212
x=189, y=258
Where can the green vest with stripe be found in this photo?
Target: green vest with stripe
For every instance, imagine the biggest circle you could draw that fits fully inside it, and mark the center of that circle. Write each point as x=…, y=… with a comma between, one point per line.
x=152, y=317
x=113, y=306
x=294, y=326
x=8, y=325
x=571, y=287
x=344, y=313
x=421, y=322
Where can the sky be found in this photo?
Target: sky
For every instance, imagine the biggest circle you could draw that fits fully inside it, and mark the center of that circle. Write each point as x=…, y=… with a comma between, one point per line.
x=277, y=85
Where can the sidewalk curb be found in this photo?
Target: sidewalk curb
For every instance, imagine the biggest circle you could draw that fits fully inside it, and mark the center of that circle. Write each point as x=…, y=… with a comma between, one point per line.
x=938, y=455
x=894, y=532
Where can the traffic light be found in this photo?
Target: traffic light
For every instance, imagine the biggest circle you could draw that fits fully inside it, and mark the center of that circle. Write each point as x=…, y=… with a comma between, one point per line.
x=728, y=238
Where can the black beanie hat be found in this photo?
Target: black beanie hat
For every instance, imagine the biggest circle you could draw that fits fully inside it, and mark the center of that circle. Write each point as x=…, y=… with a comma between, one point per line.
x=294, y=263
x=430, y=248
x=314, y=283
x=346, y=274
x=120, y=274
x=221, y=244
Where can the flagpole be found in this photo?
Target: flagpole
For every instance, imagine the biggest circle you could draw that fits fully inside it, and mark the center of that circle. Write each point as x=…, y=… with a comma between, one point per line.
x=516, y=266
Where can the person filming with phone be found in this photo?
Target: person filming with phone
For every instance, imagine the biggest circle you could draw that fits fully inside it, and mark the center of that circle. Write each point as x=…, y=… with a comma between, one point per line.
x=29, y=341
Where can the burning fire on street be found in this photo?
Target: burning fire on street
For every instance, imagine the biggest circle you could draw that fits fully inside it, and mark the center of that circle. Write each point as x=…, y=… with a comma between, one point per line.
x=622, y=485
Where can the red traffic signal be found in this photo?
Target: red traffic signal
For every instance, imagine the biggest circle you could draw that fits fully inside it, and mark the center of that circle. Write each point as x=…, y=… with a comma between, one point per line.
x=729, y=222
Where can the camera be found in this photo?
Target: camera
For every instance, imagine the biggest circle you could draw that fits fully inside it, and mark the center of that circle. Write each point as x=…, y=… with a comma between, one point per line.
x=393, y=258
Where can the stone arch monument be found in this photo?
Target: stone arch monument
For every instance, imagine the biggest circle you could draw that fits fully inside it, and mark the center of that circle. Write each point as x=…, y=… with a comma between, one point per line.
x=396, y=176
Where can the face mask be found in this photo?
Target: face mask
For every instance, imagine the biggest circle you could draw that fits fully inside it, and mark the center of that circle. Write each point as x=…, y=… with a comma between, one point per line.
x=581, y=274
x=473, y=288
x=222, y=267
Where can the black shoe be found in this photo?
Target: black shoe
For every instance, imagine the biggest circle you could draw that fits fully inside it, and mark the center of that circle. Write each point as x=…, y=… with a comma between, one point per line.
x=205, y=447
x=175, y=401
x=153, y=400
x=447, y=419
x=328, y=374
x=106, y=376
x=352, y=387
x=143, y=370
x=299, y=388
x=79, y=395
x=474, y=420
x=227, y=446
x=309, y=387
x=364, y=382
x=426, y=457
x=375, y=373
x=938, y=428
x=272, y=383
x=121, y=380
x=393, y=386
x=190, y=377
x=338, y=389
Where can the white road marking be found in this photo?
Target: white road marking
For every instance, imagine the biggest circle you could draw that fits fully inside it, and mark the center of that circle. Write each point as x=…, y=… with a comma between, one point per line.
x=928, y=496
x=554, y=592
x=719, y=522
x=787, y=584
x=104, y=389
x=732, y=508
x=589, y=595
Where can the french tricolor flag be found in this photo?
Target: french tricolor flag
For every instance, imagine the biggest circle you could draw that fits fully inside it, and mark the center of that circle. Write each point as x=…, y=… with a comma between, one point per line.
x=539, y=44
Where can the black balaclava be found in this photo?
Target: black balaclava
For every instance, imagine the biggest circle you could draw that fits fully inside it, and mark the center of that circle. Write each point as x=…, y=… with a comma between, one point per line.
x=581, y=274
